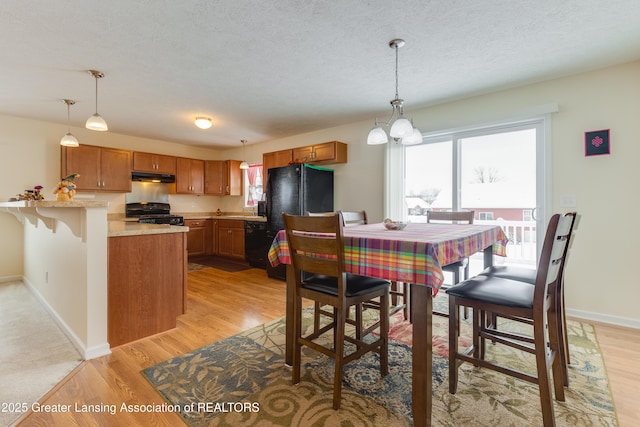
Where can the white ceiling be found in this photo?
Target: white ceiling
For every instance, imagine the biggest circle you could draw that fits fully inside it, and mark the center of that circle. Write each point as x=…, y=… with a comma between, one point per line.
x=265, y=69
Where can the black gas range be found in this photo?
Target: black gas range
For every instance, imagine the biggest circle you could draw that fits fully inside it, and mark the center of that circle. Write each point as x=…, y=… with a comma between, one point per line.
x=153, y=213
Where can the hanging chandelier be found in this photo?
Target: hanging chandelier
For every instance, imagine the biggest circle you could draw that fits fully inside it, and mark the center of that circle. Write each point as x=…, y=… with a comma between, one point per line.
x=402, y=129
x=244, y=164
x=96, y=122
x=69, y=140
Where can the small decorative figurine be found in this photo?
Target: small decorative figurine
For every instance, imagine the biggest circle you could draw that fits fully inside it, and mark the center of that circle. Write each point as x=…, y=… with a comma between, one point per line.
x=66, y=188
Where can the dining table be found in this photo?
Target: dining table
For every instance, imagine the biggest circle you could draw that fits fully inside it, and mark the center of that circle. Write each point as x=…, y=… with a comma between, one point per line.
x=415, y=255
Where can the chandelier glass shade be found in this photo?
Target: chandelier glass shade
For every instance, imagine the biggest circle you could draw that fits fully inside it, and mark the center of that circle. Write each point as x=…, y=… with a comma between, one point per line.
x=401, y=129
x=96, y=122
x=68, y=140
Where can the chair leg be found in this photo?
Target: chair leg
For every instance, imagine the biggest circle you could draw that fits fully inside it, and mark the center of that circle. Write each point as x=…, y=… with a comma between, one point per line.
x=406, y=311
x=384, y=335
x=316, y=316
x=297, y=347
x=339, y=353
x=453, y=345
x=359, y=326
x=544, y=374
x=563, y=345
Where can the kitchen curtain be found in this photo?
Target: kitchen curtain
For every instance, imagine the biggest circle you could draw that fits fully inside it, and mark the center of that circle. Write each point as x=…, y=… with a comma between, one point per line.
x=254, y=175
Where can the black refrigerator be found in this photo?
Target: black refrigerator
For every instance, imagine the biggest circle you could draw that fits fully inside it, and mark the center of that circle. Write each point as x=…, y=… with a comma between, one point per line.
x=296, y=190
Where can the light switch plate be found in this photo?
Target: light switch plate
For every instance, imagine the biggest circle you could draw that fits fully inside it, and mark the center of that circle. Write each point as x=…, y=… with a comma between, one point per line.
x=568, y=201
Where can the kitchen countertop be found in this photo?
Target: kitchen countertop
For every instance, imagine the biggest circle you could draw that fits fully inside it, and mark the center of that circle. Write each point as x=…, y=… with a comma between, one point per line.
x=128, y=228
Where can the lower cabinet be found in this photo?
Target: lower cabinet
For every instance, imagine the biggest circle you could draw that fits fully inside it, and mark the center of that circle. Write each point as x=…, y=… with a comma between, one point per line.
x=199, y=237
x=231, y=238
x=147, y=285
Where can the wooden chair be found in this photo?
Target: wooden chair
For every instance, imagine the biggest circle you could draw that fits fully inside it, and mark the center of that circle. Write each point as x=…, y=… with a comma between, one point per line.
x=321, y=257
x=453, y=217
x=399, y=290
x=514, y=298
x=528, y=275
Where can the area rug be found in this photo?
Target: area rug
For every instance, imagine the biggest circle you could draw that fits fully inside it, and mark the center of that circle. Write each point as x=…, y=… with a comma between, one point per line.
x=35, y=353
x=242, y=381
x=208, y=261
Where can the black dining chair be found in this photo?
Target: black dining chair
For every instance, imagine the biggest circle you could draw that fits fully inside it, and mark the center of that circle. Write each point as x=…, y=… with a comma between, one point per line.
x=528, y=275
x=316, y=247
x=512, y=298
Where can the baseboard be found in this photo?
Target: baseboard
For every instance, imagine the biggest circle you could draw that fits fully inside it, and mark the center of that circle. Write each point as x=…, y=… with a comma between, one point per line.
x=604, y=318
x=87, y=353
x=6, y=279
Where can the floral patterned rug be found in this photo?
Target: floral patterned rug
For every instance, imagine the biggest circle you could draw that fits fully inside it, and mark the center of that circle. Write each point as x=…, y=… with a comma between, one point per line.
x=242, y=381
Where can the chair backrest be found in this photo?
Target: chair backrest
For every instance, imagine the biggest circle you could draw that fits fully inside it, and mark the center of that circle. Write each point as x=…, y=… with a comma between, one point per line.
x=351, y=218
x=554, y=252
x=316, y=245
x=458, y=217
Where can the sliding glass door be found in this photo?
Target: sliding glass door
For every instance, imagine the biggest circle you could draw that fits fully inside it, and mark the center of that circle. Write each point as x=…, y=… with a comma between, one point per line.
x=498, y=172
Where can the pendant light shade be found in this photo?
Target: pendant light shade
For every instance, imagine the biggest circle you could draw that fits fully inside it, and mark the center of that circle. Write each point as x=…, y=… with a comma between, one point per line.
x=244, y=164
x=402, y=129
x=96, y=122
x=69, y=140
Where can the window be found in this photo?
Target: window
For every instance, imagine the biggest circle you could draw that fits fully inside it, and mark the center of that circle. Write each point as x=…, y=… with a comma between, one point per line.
x=485, y=216
x=527, y=215
x=253, y=185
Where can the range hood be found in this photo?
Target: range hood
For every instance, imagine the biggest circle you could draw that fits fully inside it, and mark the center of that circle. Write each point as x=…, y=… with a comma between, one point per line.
x=153, y=177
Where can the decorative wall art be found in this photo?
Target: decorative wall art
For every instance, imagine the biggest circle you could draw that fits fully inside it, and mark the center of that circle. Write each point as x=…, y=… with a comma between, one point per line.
x=596, y=143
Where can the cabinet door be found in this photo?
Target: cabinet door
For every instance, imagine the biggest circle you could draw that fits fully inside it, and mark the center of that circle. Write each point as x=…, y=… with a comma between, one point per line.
x=325, y=151
x=234, y=177
x=231, y=238
x=85, y=161
x=189, y=176
x=214, y=171
x=144, y=162
x=115, y=169
x=275, y=159
x=165, y=164
x=196, y=237
x=303, y=154
x=237, y=243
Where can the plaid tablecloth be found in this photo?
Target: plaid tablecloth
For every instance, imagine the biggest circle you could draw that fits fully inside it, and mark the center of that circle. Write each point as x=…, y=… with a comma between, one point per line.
x=413, y=255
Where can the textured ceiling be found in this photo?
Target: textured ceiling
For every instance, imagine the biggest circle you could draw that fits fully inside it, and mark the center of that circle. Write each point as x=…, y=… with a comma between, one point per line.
x=268, y=69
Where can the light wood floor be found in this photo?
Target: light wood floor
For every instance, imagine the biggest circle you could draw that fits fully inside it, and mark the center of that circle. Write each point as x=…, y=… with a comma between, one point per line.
x=222, y=304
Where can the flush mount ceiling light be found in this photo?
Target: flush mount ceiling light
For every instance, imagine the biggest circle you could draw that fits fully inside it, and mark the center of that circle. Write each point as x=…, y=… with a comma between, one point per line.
x=69, y=140
x=244, y=164
x=96, y=122
x=402, y=129
x=203, y=122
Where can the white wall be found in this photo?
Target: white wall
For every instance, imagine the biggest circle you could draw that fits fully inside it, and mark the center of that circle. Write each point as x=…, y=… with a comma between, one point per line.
x=605, y=186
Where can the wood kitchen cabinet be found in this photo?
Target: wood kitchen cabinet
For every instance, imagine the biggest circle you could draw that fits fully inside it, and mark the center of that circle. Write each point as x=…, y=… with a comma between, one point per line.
x=100, y=168
x=199, y=237
x=147, y=285
x=223, y=178
x=325, y=153
x=189, y=176
x=231, y=238
x=158, y=163
x=275, y=159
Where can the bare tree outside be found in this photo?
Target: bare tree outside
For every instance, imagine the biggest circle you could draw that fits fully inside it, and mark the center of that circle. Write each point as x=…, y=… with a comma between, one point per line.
x=429, y=195
x=486, y=176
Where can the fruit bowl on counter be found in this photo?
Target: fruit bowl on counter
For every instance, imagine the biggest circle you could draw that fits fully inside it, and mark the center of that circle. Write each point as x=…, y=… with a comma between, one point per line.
x=394, y=225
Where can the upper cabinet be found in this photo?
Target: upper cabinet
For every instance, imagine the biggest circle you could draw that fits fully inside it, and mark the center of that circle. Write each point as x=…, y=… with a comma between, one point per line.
x=325, y=153
x=189, y=176
x=317, y=154
x=275, y=159
x=158, y=163
x=99, y=168
x=223, y=177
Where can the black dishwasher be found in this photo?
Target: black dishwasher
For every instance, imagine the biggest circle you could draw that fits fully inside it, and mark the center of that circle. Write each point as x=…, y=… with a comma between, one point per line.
x=256, y=243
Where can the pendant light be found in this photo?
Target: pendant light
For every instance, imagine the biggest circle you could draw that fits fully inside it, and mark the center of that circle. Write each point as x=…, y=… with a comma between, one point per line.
x=69, y=140
x=402, y=129
x=96, y=122
x=244, y=164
